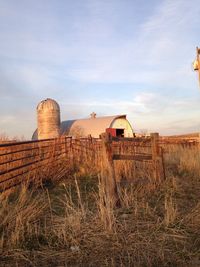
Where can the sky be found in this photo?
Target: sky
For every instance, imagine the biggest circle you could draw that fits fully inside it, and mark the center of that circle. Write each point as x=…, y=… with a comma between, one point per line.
x=108, y=56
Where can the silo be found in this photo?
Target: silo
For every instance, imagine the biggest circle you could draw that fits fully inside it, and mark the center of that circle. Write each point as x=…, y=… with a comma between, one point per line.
x=48, y=118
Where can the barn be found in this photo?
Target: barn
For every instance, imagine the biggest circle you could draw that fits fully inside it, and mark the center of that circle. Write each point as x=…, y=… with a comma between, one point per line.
x=117, y=125
x=49, y=125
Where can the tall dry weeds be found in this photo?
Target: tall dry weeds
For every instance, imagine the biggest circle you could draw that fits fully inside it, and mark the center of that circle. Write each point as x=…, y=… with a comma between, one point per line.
x=19, y=217
x=73, y=224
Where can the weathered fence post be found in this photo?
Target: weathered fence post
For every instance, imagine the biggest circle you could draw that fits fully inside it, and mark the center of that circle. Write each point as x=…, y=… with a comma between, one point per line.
x=109, y=181
x=156, y=155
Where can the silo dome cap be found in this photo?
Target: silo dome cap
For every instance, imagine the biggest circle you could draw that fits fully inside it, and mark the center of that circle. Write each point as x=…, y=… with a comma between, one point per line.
x=48, y=104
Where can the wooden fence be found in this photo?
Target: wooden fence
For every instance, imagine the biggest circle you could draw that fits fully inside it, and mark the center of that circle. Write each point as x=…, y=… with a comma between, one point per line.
x=24, y=161
x=132, y=149
x=20, y=159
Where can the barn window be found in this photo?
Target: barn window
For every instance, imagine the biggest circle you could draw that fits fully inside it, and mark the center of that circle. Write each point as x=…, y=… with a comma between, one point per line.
x=120, y=132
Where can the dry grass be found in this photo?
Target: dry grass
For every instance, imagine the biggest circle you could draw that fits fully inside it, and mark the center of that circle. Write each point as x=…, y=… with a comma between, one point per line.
x=74, y=223
x=5, y=138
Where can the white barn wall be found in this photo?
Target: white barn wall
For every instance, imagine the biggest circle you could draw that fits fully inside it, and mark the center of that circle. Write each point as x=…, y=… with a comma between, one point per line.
x=122, y=123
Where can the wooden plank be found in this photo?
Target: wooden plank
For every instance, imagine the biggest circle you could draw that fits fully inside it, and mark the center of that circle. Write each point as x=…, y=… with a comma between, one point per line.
x=131, y=139
x=52, y=140
x=132, y=157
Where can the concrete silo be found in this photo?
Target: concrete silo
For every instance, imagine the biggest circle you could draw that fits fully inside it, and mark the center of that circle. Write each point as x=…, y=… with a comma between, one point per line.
x=48, y=119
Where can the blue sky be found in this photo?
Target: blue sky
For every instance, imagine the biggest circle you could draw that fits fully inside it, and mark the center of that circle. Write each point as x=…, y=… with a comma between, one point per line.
x=109, y=56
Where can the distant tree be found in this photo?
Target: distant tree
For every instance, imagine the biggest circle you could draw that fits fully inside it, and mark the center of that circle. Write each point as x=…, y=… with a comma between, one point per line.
x=144, y=132
x=4, y=137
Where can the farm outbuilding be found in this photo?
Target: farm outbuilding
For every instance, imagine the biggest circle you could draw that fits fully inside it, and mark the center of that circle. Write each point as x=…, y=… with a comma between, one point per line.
x=49, y=125
x=116, y=125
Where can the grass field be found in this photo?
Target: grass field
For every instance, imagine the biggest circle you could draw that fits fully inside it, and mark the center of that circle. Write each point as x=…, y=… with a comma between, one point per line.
x=72, y=222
